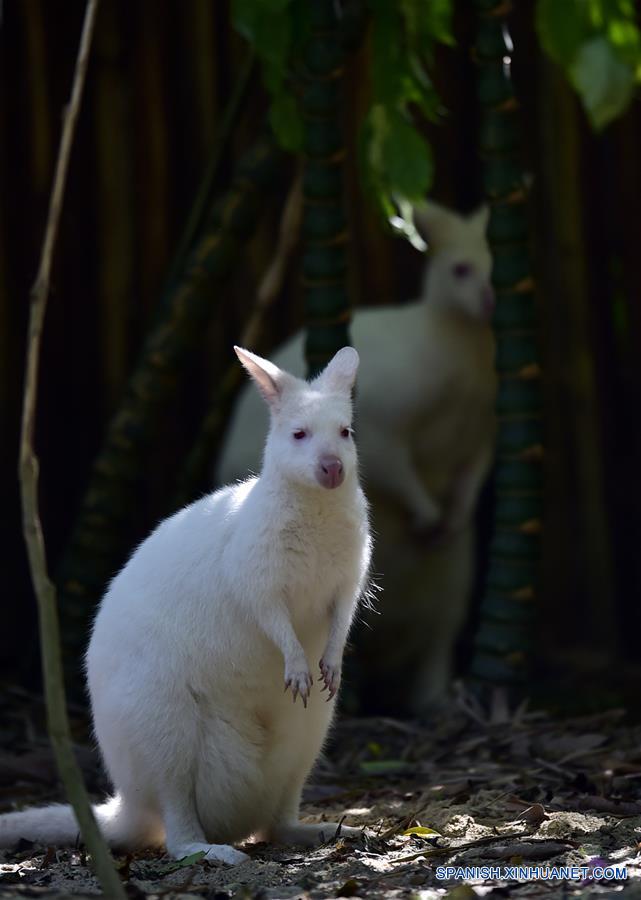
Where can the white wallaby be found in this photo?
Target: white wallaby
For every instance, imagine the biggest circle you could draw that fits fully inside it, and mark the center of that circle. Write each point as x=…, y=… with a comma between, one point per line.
x=425, y=425
x=225, y=601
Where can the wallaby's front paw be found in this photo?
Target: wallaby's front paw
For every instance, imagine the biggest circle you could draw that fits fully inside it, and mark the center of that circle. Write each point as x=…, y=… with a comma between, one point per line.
x=331, y=677
x=300, y=681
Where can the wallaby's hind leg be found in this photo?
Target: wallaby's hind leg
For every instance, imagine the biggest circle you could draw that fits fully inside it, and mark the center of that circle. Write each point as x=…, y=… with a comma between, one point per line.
x=287, y=829
x=311, y=835
x=185, y=835
x=447, y=576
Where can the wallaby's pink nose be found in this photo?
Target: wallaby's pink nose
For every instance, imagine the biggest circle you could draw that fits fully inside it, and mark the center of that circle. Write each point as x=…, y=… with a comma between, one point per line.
x=488, y=302
x=330, y=471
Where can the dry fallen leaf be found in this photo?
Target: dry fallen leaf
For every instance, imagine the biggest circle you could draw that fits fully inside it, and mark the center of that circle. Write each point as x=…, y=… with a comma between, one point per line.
x=533, y=815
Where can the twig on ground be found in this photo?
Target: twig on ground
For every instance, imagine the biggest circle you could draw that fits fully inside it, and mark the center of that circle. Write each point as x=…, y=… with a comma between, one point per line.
x=530, y=849
x=491, y=839
x=58, y=721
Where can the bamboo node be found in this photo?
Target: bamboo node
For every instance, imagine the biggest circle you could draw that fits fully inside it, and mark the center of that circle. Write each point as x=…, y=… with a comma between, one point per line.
x=518, y=195
x=532, y=526
x=509, y=105
x=501, y=9
x=535, y=453
x=74, y=587
x=529, y=372
x=328, y=321
x=524, y=594
x=333, y=281
x=524, y=286
x=335, y=240
x=332, y=75
x=332, y=160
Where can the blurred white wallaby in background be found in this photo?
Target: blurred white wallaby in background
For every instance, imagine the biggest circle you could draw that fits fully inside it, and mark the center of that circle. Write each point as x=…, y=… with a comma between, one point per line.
x=247, y=589
x=425, y=424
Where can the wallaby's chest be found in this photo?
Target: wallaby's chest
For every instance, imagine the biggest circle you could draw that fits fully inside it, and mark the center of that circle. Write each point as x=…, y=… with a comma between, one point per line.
x=318, y=557
x=457, y=414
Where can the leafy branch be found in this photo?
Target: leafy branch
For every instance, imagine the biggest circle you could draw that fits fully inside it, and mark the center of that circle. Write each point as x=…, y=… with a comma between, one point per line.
x=396, y=158
x=598, y=45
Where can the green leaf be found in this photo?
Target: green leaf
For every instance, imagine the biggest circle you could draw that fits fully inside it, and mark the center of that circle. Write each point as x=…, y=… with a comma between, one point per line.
x=267, y=25
x=402, y=156
x=190, y=860
x=424, y=95
x=270, y=25
x=598, y=43
x=395, y=160
x=388, y=54
x=421, y=831
x=286, y=121
x=372, y=183
x=183, y=863
x=436, y=20
x=561, y=28
x=604, y=83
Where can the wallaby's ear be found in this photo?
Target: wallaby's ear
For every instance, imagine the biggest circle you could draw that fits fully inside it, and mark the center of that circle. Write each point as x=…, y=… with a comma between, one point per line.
x=480, y=217
x=340, y=372
x=434, y=223
x=269, y=379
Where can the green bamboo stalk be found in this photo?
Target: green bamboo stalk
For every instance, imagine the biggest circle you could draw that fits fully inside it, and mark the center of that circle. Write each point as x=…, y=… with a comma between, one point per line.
x=502, y=641
x=101, y=536
x=57, y=718
x=325, y=234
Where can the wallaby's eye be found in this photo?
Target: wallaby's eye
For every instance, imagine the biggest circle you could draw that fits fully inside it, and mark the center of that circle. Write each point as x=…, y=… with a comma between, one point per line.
x=346, y=432
x=300, y=434
x=461, y=270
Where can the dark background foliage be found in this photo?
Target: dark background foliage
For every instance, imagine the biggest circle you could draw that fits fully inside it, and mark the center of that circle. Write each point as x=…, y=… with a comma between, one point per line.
x=160, y=77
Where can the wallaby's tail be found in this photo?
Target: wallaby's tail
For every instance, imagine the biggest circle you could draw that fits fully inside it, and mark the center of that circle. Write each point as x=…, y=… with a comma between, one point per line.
x=56, y=825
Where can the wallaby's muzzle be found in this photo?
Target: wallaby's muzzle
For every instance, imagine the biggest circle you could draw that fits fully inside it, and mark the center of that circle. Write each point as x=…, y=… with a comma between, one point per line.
x=330, y=472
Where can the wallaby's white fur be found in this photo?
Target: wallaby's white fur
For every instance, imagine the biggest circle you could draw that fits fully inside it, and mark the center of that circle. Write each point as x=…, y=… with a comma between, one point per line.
x=245, y=589
x=425, y=428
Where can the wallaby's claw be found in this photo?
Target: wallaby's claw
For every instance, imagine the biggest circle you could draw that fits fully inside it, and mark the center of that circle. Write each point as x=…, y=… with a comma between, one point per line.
x=331, y=676
x=301, y=684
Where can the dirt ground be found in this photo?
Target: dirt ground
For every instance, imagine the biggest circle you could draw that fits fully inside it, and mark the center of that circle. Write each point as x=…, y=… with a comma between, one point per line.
x=465, y=790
